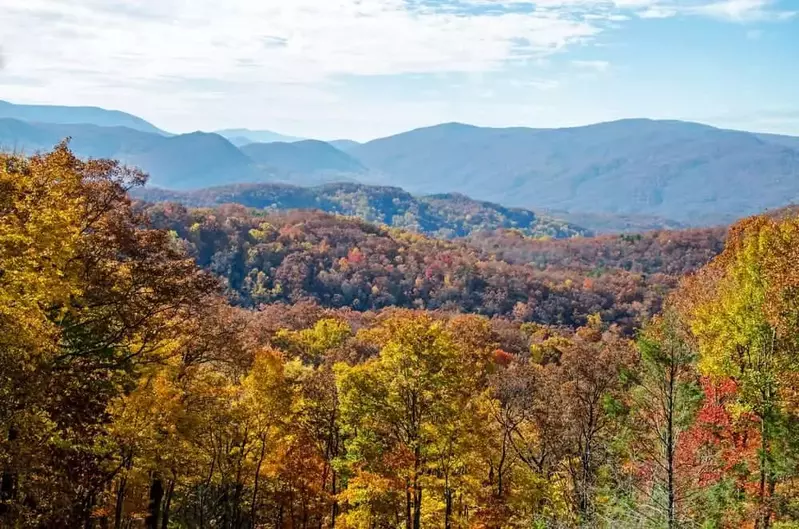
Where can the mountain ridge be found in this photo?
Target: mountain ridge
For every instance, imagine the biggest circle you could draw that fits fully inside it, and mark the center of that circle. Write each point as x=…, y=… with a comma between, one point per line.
x=242, y=137
x=684, y=171
x=622, y=174
x=74, y=115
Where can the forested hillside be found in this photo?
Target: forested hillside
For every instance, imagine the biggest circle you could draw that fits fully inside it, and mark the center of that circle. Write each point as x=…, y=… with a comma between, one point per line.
x=340, y=262
x=673, y=252
x=134, y=394
x=445, y=216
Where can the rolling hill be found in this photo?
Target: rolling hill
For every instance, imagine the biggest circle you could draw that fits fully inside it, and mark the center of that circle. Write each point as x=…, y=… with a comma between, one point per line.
x=447, y=216
x=683, y=171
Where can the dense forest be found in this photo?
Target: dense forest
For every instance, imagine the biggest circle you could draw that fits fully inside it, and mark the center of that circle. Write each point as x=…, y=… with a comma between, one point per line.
x=444, y=216
x=661, y=251
x=135, y=394
x=343, y=262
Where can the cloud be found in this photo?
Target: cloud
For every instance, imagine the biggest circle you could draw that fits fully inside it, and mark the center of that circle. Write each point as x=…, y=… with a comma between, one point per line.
x=596, y=66
x=657, y=12
x=300, y=40
x=542, y=84
x=185, y=63
x=740, y=10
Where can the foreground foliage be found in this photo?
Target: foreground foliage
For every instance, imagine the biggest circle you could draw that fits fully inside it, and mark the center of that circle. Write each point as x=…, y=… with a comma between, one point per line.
x=134, y=395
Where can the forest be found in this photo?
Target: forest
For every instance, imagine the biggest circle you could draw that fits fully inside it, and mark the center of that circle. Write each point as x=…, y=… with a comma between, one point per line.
x=444, y=216
x=165, y=367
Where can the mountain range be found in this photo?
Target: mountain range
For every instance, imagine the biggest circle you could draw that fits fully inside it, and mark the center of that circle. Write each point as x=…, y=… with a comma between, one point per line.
x=686, y=172
x=64, y=115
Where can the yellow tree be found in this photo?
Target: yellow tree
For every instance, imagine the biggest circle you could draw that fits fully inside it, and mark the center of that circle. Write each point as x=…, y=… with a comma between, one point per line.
x=267, y=401
x=89, y=297
x=402, y=408
x=743, y=309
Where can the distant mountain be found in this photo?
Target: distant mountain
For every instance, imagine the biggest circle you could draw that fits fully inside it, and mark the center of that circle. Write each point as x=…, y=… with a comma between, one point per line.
x=182, y=161
x=196, y=160
x=304, y=161
x=688, y=172
x=787, y=141
x=190, y=161
x=606, y=223
x=76, y=115
x=241, y=137
x=618, y=176
x=450, y=215
x=344, y=145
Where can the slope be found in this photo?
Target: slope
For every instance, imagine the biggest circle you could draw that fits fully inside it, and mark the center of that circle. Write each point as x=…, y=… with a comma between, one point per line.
x=448, y=216
x=307, y=161
x=683, y=171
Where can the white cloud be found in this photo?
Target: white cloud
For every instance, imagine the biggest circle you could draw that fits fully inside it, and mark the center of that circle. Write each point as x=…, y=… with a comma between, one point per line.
x=597, y=66
x=205, y=63
x=540, y=84
x=294, y=40
x=657, y=12
x=740, y=10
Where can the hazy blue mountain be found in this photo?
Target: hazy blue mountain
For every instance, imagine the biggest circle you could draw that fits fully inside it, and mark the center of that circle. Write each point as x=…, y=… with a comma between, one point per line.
x=76, y=115
x=241, y=137
x=304, y=161
x=344, y=145
x=612, y=176
x=683, y=171
x=604, y=223
x=786, y=141
x=448, y=215
x=182, y=161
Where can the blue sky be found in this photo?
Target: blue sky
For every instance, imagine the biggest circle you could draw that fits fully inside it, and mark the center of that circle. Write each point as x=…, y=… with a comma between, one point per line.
x=367, y=68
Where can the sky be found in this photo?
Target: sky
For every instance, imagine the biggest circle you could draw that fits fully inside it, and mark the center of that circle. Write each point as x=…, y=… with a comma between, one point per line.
x=362, y=69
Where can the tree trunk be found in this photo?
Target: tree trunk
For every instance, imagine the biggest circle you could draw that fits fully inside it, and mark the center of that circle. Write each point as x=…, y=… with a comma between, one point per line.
x=8, y=481
x=168, y=504
x=670, y=449
x=417, y=506
x=334, y=510
x=154, y=508
x=417, y=487
x=254, y=506
x=448, y=508
x=407, y=504
x=120, y=502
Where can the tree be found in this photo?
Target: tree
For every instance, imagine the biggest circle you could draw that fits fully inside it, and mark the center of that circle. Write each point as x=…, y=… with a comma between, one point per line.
x=743, y=310
x=591, y=375
x=664, y=402
x=94, y=297
x=401, y=408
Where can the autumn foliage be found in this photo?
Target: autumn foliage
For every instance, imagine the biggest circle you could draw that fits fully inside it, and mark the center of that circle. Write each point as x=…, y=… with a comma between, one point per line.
x=171, y=368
